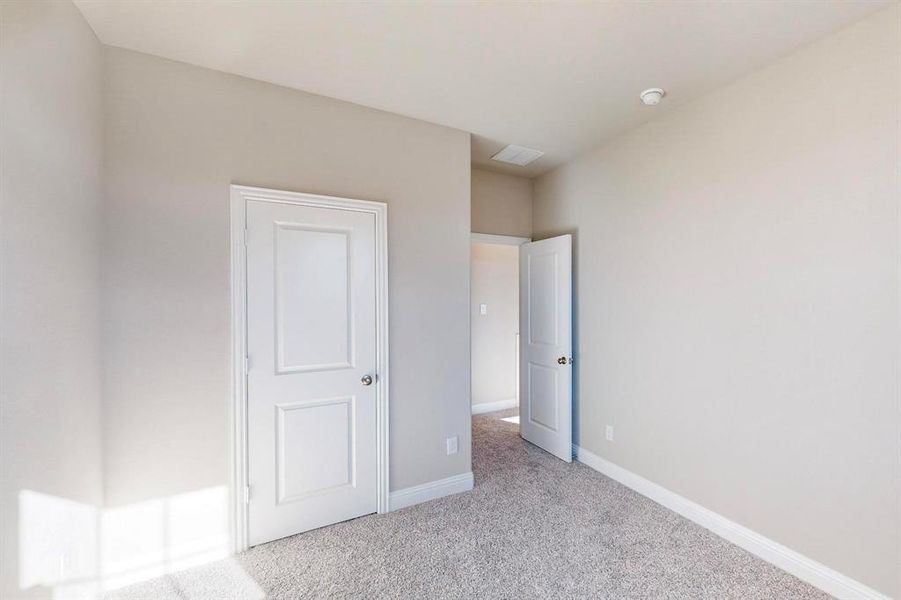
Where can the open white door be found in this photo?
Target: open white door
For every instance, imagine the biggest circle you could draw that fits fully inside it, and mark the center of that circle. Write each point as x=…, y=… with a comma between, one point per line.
x=545, y=325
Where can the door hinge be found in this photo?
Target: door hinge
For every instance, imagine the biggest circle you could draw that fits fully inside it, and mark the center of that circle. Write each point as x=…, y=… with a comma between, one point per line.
x=247, y=364
x=246, y=494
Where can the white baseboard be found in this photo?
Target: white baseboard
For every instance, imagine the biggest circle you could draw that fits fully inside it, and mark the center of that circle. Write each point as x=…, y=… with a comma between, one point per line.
x=486, y=407
x=430, y=491
x=804, y=568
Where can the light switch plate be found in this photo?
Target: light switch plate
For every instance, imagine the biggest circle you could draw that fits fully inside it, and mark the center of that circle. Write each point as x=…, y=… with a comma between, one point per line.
x=452, y=445
x=483, y=309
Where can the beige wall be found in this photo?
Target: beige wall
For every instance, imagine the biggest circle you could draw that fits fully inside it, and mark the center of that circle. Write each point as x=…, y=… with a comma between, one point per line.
x=176, y=137
x=501, y=204
x=494, y=282
x=738, y=293
x=50, y=189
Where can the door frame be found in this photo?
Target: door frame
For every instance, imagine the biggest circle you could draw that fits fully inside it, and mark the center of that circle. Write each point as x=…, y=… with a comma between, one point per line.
x=239, y=492
x=504, y=240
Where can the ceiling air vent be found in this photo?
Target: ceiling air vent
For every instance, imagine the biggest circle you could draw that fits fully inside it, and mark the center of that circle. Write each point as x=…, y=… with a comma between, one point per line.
x=517, y=155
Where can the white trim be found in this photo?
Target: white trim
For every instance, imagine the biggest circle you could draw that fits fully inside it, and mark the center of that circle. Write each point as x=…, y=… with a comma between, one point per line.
x=239, y=195
x=238, y=413
x=431, y=491
x=486, y=407
x=815, y=573
x=507, y=240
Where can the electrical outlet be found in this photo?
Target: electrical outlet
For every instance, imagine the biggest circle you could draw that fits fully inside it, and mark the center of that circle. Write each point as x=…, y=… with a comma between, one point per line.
x=452, y=445
x=609, y=433
x=483, y=309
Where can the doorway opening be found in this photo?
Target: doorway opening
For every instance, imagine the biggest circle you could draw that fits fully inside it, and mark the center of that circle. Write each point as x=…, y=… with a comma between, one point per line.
x=521, y=332
x=494, y=325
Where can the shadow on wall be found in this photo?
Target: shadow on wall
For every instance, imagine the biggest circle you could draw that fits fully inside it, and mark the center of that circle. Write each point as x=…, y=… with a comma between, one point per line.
x=75, y=550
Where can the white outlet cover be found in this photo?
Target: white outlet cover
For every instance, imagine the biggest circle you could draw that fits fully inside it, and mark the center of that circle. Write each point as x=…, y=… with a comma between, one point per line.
x=452, y=445
x=483, y=309
x=609, y=433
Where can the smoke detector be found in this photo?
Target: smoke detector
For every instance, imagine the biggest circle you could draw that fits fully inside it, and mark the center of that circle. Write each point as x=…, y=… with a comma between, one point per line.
x=652, y=96
x=517, y=155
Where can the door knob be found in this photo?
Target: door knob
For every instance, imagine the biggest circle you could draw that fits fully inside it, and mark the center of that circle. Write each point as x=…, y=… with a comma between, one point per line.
x=561, y=360
x=367, y=380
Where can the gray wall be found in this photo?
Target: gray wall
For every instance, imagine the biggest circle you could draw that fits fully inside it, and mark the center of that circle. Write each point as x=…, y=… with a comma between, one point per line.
x=738, y=283
x=50, y=189
x=495, y=282
x=176, y=137
x=501, y=204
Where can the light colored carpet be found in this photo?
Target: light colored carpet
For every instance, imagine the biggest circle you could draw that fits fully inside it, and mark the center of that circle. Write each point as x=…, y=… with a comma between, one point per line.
x=533, y=527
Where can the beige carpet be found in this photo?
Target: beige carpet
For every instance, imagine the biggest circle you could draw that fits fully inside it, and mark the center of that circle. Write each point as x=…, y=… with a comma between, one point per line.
x=533, y=527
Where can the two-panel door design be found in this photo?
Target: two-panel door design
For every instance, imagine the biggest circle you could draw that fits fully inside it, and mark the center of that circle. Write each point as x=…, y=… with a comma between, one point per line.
x=311, y=342
x=545, y=313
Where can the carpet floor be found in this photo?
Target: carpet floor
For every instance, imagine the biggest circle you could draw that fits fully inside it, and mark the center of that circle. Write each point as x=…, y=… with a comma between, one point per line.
x=533, y=527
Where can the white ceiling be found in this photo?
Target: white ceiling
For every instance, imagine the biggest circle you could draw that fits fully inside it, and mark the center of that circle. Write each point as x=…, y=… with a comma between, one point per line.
x=557, y=76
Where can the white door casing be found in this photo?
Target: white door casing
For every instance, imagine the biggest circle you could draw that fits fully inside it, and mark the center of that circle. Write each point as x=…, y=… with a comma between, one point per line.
x=545, y=313
x=314, y=447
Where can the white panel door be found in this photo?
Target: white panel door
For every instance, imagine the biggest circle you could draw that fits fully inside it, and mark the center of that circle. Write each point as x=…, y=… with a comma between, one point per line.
x=545, y=315
x=311, y=339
